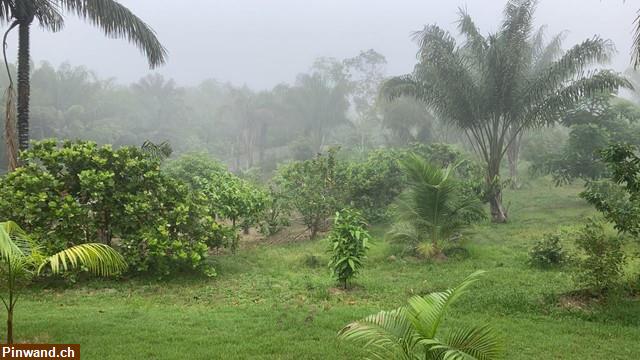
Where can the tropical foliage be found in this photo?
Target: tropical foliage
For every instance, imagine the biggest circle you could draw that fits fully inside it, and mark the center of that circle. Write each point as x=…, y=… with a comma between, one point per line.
x=72, y=193
x=348, y=244
x=373, y=184
x=601, y=262
x=414, y=331
x=619, y=199
x=494, y=87
x=548, y=252
x=312, y=189
x=597, y=122
x=434, y=208
x=22, y=260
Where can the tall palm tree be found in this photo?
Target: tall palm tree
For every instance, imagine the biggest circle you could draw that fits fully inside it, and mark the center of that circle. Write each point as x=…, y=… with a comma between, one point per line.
x=21, y=260
x=113, y=18
x=486, y=88
x=433, y=208
x=414, y=332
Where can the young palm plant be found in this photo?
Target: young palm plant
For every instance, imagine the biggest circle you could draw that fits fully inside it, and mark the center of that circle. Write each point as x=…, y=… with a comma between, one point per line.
x=413, y=331
x=433, y=208
x=21, y=260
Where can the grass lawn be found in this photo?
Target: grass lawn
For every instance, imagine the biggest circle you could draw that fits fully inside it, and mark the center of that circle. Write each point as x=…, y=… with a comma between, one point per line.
x=271, y=302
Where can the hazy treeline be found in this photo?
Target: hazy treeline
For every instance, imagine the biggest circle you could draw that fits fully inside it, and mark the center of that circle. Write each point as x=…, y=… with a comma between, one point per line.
x=335, y=103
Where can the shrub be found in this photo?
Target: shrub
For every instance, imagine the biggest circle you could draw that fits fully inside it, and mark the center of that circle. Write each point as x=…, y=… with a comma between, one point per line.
x=600, y=267
x=348, y=245
x=370, y=186
x=548, y=252
x=618, y=200
x=277, y=211
x=311, y=185
x=71, y=193
x=227, y=196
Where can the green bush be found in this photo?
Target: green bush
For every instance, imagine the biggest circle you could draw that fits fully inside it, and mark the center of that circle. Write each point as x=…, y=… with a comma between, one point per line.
x=227, y=196
x=277, y=211
x=371, y=185
x=348, y=245
x=311, y=186
x=600, y=265
x=78, y=192
x=548, y=252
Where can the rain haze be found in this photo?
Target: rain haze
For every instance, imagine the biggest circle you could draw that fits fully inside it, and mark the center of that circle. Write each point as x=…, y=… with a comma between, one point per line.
x=263, y=43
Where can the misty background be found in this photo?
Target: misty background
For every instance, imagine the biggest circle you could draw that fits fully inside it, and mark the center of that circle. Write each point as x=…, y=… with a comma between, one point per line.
x=255, y=83
x=263, y=43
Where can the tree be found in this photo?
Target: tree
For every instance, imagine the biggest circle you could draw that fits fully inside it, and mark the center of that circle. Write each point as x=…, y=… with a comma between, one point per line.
x=320, y=103
x=109, y=15
x=485, y=86
x=407, y=121
x=597, y=122
x=365, y=73
x=619, y=199
x=311, y=185
x=21, y=260
x=413, y=331
x=163, y=113
x=433, y=207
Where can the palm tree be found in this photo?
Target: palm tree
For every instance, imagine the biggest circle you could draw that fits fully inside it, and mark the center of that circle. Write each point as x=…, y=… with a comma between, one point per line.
x=486, y=88
x=433, y=208
x=113, y=18
x=21, y=260
x=413, y=331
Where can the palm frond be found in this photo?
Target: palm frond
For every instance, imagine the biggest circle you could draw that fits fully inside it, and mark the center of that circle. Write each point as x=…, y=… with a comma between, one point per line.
x=99, y=259
x=6, y=11
x=636, y=43
x=478, y=342
x=475, y=41
x=14, y=241
x=48, y=14
x=410, y=332
x=159, y=151
x=551, y=108
x=426, y=312
x=119, y=22
x=386, y=335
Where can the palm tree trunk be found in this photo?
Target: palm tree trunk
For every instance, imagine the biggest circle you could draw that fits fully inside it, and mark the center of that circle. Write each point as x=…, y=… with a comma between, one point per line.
x=10, y=134
x=10, y=326
x=494, y=192
x=23, y=84
x=513, y=155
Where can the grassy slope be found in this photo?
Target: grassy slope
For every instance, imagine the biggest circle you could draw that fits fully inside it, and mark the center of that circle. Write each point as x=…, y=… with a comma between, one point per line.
x=266, y=303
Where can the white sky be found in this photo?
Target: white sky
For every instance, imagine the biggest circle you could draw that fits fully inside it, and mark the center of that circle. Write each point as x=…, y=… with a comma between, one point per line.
x=264, y=42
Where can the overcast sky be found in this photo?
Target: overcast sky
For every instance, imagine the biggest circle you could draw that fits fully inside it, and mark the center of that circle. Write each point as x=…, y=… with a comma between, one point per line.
x=264, y=42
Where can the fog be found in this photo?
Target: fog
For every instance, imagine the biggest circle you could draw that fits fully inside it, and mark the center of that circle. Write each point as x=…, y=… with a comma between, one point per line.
x=263, y=43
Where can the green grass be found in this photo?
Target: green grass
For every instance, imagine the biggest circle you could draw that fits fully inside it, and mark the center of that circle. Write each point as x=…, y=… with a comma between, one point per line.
x=268, y=303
